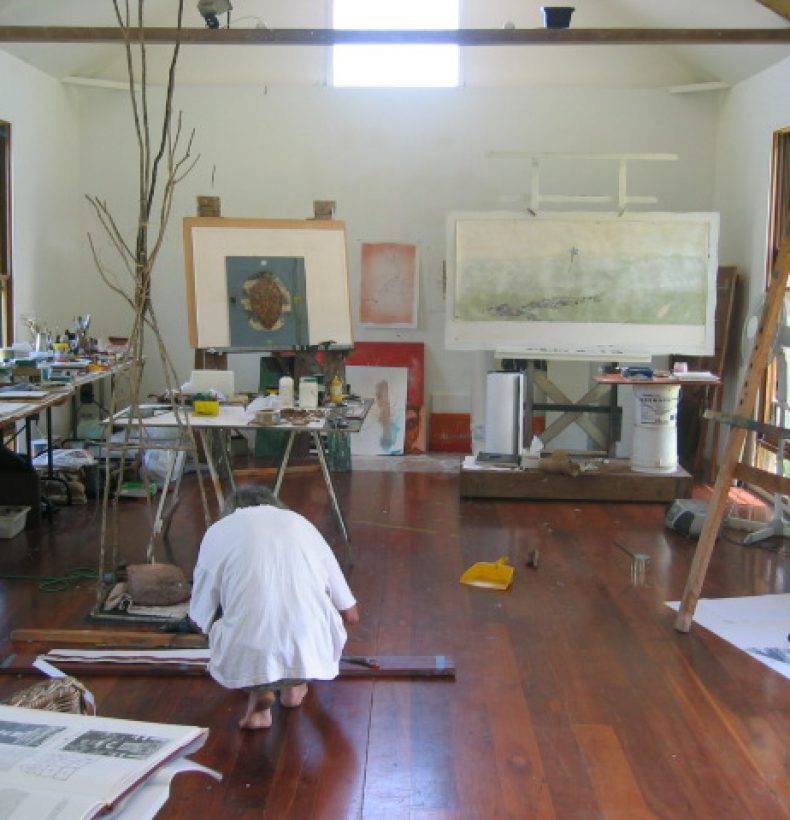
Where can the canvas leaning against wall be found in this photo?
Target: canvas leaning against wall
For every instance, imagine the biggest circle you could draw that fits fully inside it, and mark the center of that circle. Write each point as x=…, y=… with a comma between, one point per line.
x=411, y=356
x=383, y=432
x=582, y=284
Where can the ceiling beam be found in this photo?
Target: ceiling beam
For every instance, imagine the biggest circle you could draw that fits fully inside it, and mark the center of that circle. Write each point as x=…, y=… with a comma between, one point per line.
x=781, y=7
x=462, y=37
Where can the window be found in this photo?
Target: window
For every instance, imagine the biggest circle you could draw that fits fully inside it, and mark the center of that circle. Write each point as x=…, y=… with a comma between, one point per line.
x=6, y=307
x=395, y=66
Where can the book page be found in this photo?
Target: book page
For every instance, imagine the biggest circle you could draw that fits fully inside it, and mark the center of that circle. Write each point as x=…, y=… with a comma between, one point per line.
x=78, y=764
x=146, y=800
x=21, y=804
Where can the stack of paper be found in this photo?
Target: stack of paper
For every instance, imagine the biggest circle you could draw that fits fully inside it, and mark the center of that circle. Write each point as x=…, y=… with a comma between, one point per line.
x=696, y=375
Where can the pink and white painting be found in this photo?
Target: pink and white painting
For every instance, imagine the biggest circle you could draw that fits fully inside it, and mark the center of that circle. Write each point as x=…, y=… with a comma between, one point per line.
x=389, y=289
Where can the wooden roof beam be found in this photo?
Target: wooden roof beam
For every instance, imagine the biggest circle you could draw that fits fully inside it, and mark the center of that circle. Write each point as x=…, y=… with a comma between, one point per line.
x=781, y=7
x=462, y=37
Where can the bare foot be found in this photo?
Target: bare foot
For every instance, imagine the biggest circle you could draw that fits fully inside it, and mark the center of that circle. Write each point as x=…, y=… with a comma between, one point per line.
x=293, y=695
x=257, y=720
x=259, y=713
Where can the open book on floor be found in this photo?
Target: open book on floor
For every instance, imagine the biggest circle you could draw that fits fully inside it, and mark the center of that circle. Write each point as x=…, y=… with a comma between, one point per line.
x=63, y=765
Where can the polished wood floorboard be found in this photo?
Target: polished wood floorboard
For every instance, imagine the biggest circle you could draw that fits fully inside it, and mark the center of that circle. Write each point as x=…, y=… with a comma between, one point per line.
x=574, y=696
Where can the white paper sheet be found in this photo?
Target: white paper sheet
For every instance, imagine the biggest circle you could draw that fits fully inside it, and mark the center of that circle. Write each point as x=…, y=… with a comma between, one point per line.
x=757, y=624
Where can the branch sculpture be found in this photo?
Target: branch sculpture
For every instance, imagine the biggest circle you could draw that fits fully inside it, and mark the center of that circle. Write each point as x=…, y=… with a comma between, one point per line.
x=161, y=166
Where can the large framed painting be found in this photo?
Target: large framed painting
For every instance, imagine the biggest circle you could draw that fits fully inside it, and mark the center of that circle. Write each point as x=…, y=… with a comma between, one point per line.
x=581, y=285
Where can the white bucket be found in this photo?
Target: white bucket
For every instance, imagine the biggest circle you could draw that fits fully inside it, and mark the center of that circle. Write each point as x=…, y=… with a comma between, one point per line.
x=654, y=447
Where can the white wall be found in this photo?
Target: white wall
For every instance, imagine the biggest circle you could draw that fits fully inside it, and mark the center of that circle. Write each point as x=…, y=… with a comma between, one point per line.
x=46, y=233
x=751, y=113
x=396, y=162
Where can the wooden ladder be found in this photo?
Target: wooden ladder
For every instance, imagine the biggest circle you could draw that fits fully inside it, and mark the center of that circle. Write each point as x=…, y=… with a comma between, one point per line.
x=731, y=467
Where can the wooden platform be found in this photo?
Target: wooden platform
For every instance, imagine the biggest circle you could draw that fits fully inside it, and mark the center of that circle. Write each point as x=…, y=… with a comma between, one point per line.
x=615, y=482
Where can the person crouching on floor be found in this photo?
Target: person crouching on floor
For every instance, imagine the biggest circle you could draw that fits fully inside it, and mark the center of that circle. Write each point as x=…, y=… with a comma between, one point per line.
x=271, y=597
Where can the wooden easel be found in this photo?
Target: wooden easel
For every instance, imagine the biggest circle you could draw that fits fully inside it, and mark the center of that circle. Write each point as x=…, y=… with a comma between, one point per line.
x=731, y=467
x=210, y=359
x=726, y=286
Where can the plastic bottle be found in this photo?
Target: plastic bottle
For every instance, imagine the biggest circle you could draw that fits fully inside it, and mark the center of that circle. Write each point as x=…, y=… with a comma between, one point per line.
x=336, y=390
x=286, y=390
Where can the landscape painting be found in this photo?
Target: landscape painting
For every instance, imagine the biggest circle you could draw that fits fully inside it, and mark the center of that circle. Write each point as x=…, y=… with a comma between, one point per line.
x=642, y=283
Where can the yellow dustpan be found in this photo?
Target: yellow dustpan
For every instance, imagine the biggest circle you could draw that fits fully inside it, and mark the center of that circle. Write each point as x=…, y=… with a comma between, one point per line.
x=496, y=575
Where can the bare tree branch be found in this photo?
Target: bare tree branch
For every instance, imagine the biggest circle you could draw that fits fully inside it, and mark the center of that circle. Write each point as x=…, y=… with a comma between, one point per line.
x=157, y=180
x=171, y=84
x=108, y=223
x=105, y=277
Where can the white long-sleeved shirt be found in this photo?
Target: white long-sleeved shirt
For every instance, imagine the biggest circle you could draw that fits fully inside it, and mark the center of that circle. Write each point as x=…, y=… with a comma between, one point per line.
x=281, y=592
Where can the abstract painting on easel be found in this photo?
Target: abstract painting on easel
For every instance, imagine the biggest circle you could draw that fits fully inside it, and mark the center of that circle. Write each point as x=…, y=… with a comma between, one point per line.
x=389, y=288
x=383, y=432
x=267, y=302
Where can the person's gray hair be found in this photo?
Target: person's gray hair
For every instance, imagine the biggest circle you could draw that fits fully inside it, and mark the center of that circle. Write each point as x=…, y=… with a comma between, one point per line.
x=251, y=496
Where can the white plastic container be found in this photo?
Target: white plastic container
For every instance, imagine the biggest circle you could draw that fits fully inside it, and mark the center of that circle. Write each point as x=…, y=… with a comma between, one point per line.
x=504, y=427
x=12, y=520
x=286, y=392
x=654, y=448
x=308, y=393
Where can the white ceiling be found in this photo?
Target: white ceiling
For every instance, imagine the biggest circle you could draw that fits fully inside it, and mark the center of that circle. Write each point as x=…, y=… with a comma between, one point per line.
x=651, y=66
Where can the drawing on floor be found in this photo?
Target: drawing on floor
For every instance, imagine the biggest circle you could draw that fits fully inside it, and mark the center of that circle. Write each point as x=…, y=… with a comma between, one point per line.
x=643, y=283
x=384, y=429
x=389, y=288
x=757, y=624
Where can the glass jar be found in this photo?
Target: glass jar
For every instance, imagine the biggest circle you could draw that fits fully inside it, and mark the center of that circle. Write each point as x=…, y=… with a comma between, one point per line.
x=308, y=392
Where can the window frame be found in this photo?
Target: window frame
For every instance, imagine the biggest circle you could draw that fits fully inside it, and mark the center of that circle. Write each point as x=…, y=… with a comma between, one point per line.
x=779, y=227
x=6, y=281
x=397, y=48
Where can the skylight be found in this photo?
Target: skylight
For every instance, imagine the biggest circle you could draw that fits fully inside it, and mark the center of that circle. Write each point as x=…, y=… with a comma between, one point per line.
x=395, y=66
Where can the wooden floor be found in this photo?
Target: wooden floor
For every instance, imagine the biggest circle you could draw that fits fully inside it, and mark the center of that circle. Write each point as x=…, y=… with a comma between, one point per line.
x=574, y=698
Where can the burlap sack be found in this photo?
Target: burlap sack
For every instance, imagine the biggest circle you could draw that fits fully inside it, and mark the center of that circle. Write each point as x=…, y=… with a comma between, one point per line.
x=55, y=695
x=157, y=584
